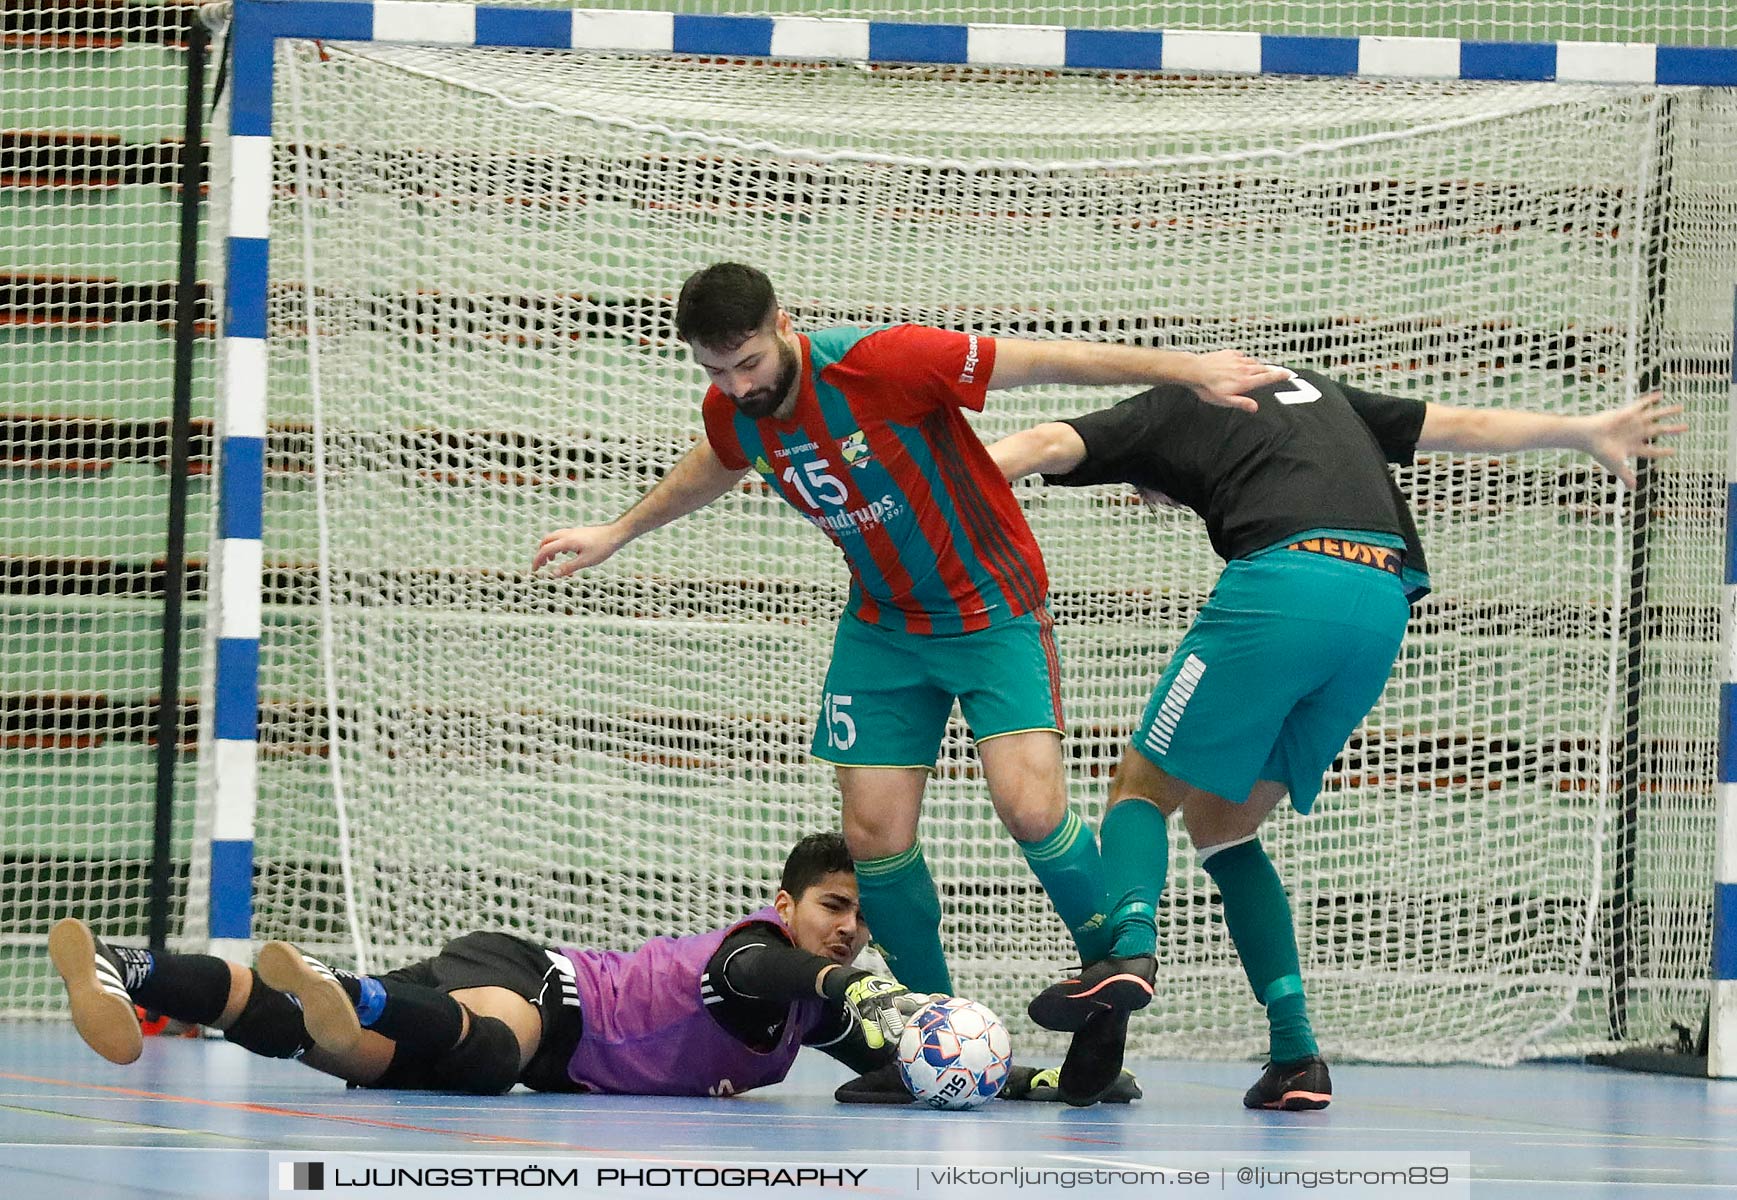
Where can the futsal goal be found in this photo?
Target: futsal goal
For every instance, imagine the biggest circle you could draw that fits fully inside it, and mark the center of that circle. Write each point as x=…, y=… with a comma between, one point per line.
x=450, y=272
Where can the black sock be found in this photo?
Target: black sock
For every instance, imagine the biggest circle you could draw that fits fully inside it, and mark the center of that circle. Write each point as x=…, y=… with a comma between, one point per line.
x=420, y=1019
x=188, y=987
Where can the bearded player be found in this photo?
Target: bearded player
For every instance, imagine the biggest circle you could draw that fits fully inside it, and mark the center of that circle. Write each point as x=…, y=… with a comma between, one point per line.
x=863, y=432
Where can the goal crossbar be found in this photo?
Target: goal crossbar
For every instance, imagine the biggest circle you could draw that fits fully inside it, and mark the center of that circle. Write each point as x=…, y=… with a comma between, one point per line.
x=231, y=750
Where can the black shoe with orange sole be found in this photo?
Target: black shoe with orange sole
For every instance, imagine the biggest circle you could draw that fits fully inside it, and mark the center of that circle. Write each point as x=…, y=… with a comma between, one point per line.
x=1110, y=985
x=1292, y=1086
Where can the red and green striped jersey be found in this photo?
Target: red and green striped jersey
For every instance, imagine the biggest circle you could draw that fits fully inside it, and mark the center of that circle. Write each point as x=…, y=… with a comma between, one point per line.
x=879, y=456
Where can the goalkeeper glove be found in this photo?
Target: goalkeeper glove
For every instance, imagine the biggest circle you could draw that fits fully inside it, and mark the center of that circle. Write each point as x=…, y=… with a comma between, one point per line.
x=881, y=1006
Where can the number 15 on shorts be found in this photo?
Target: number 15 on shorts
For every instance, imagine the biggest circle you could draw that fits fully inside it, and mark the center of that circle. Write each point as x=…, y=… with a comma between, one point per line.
x=840, y=728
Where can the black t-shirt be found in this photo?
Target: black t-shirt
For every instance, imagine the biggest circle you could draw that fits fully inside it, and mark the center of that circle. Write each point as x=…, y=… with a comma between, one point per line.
x=1313, y=457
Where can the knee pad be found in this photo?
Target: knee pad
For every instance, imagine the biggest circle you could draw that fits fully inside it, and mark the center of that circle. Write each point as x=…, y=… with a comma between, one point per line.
x=407, y=1073
x=270, y=1024
x=485, y=1063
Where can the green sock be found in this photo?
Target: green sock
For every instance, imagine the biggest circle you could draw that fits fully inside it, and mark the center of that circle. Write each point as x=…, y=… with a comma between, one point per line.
x=1136, y=842
x=1067, y=864
x=1259, y=919
x=903, y=912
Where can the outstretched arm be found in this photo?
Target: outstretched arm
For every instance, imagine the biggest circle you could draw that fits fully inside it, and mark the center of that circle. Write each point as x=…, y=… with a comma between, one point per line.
x=1223, y=377
x=1611, y=437
x=865, y=1013
x=1053, y=448
x=694, y=482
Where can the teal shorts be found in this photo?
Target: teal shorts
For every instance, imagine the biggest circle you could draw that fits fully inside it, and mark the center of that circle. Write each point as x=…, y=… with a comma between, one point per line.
x=1288, y=655
x=889, y=693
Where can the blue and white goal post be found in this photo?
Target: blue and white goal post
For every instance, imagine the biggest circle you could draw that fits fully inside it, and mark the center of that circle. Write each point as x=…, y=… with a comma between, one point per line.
x=1722, y=1022
x=1472, y=725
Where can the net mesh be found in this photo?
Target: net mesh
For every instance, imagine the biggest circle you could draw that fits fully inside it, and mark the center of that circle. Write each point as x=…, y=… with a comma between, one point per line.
x=473, y=260
x=89, y=137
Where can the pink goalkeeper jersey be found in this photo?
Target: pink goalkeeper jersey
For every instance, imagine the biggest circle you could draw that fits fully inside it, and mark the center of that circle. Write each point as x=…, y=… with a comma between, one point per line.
x=647, y=1031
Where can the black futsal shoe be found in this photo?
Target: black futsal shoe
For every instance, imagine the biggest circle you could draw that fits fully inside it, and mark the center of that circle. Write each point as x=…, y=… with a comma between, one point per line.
x=1110, y=985
x=1044, y=1087
x=883, y=1085
x=96, y=990
x=327, y=1013
x=1094, y=1062
x=1292, y=1086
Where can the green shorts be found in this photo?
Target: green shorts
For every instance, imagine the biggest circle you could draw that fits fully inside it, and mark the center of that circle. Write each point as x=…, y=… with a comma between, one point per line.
x=889, y=693
x=1286, y=658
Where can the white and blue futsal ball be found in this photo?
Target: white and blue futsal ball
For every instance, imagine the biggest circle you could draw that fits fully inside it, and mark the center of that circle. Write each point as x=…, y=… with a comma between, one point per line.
x=954, y=1054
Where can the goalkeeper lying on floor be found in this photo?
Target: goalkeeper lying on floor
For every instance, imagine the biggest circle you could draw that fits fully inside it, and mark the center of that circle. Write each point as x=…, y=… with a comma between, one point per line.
x=712, y=1014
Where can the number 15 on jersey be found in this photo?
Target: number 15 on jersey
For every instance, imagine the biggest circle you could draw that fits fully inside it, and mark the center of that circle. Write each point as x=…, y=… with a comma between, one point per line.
x=840, y=728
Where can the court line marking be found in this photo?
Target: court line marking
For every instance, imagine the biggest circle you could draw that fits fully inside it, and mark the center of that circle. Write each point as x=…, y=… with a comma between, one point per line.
x=303, y=1114
x=365, y=1122
x=118, y=1124
x=1591, y=1139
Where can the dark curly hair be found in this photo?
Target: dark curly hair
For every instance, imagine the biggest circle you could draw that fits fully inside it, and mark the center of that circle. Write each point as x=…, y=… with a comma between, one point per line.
x=721, y=305
x=814, y=858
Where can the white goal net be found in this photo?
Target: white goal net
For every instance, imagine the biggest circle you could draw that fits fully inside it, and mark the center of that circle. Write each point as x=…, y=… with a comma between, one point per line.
x=474, y=255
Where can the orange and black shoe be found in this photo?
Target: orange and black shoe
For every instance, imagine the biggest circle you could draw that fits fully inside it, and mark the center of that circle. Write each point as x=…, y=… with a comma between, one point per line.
x=1292, y=1086
x=1110, y=985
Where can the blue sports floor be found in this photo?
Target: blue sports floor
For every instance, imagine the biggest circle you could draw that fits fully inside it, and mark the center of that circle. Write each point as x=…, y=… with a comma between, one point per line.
x=198, y=1119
